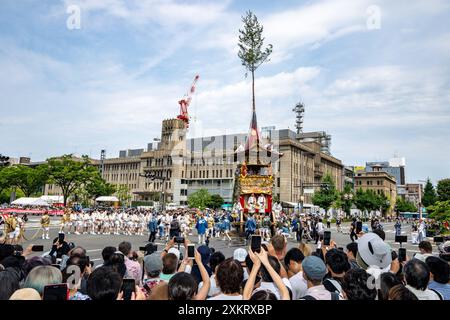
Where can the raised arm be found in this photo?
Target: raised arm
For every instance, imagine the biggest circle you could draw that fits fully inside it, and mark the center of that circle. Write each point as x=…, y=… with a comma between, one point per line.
x=250, y=284
x=284, y=292
x=203, y=292
x=168, y=246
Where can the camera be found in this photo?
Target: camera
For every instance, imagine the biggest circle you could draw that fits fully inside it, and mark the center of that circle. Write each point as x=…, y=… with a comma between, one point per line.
x=179, y=239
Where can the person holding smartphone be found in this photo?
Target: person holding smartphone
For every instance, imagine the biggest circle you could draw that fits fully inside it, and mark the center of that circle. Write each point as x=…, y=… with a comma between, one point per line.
x=60, y=247
x=263, y=260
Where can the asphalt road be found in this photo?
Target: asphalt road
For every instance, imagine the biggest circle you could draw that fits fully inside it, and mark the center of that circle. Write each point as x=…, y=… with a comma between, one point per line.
x=95, y=243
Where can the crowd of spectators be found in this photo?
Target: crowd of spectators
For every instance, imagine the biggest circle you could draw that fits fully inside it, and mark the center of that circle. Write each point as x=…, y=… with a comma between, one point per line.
x=366, y=270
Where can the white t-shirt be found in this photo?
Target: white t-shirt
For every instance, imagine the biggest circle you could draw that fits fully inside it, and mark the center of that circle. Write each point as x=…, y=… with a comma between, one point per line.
x=320, y=227
x=213, y=288
x=424, y=294
x=226, y=297
x=270, y=286
x=299, y=285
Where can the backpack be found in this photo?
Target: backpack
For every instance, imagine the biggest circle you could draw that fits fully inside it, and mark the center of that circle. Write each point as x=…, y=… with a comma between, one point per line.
x=333, y=286
x=174, y=224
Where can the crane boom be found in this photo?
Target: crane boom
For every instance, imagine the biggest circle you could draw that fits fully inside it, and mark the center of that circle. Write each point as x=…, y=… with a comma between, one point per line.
x=186, y=101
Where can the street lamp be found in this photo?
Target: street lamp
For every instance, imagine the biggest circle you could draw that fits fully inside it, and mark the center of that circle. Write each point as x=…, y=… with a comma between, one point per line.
x=348, y=196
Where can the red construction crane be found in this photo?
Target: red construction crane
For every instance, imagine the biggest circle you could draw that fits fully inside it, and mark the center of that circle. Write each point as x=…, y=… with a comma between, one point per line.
x=186, y=101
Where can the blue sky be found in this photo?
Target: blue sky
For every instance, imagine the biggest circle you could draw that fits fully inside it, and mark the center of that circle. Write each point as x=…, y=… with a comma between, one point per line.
x=108, y=85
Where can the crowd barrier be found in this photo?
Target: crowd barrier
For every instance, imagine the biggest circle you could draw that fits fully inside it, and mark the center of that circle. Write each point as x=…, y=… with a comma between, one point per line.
x=36, y=212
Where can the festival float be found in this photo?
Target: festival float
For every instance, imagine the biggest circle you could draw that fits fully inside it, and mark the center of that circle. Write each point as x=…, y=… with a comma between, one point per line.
x=256, y=179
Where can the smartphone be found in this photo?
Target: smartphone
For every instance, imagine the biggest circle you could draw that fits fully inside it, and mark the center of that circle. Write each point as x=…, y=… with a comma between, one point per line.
x=401, y=239
x=128, y=287
x=143, y=249
x=37, y=248
x=256, y=243
x=58, y=292
x=401, y=254
x=61, y=237
x=191, y=251
x=358, y=227
x=326, y=238
x=341, y=249
x=438, y=239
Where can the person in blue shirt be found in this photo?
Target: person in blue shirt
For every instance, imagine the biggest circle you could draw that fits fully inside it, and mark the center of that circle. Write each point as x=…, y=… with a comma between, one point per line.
x=152, y=228
x=201, y=227
x=250, y=227
x=440, y=276
x=297, y=228
x=226, y=226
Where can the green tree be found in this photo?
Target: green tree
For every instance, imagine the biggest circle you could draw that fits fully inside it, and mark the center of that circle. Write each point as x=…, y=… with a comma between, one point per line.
x=215, y=202
x=5, y=196
x=362, y=201
x=70, y=174
x=429, y=194
x=440, y=211
x=80, y=195
x=199, y=199
x=366, y=200
x=372, y=200
x=29, y=180
x=99, y=187
x=123, y=194
x=347, y=202
x=405, y=206
x=251, y=50
x=384, y=203
x=327, y=194
x=4, y=179
x=443, y=189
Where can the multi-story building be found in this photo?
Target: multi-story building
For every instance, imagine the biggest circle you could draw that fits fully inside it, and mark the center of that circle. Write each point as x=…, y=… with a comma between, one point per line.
x=414, y=193
x=395, y=167
x=184, y=166
x=380, y=182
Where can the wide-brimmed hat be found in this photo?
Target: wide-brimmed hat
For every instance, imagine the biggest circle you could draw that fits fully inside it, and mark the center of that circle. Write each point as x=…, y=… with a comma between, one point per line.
x=373, y=251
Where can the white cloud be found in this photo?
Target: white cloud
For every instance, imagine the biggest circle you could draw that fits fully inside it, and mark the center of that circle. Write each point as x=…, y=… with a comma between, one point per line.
x=372, y=103
x=314, y=23
x=167, y=13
